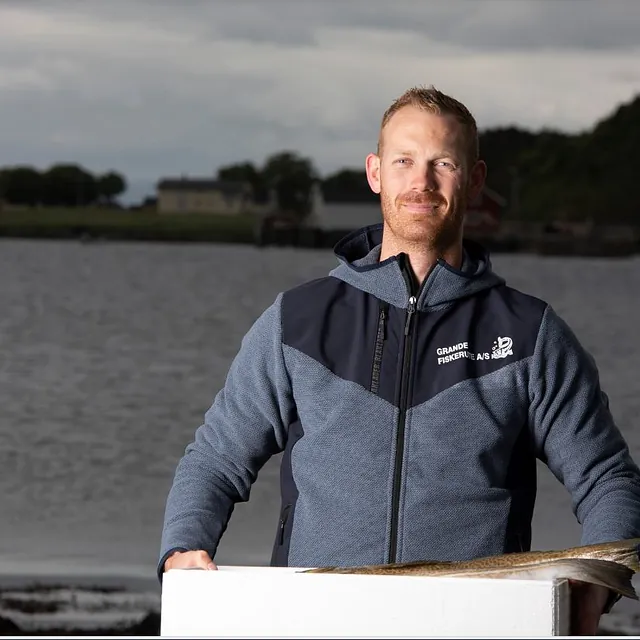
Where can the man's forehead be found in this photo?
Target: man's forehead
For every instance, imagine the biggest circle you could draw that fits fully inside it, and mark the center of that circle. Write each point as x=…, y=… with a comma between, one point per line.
x=412, y=120
x=408, y=130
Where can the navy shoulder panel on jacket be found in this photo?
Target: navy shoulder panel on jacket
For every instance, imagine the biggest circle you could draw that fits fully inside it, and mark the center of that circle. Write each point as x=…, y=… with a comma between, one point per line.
x=335, y=324
x=474, y=337
x=359, y=337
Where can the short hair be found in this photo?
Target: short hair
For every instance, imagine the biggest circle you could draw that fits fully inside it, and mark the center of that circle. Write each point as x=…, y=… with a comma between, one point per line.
x=430, y=99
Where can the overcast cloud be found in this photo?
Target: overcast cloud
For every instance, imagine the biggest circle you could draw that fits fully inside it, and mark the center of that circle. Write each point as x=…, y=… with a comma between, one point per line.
x=156, y=87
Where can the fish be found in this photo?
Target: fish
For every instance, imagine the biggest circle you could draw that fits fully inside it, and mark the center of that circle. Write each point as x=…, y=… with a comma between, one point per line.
x=609, y=564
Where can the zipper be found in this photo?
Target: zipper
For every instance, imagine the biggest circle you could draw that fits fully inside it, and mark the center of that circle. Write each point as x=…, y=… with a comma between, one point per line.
x=404, y=392
x=377, y=354
x=283, y=521
x=402, y=406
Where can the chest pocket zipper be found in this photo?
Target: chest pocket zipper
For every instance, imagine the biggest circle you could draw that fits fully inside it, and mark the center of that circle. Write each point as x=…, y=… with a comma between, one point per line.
x=381, y=335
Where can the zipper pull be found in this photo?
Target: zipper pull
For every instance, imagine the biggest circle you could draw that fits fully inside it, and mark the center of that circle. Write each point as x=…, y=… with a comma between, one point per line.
x=283, y=522
x=411, y=309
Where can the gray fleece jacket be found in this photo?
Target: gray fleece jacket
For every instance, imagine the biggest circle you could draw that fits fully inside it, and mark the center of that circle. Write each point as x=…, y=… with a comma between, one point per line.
x=410, y=420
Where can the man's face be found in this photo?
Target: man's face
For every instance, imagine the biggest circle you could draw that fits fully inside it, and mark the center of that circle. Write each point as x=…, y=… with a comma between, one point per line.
x=423, y=177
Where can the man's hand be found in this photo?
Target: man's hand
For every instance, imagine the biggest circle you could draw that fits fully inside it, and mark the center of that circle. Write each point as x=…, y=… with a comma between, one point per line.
x=588, y=602
x=190, y=560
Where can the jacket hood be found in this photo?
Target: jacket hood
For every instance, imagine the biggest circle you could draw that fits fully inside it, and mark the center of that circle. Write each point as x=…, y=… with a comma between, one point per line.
x=359, y=255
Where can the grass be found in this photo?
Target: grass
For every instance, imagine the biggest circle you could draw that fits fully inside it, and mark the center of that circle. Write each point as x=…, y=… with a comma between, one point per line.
x=114, y=224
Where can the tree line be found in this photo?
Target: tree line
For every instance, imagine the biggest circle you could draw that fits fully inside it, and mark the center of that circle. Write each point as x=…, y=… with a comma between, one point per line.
x=62, y=185
x=290, y=178
x=546, y=175
x=551, y=175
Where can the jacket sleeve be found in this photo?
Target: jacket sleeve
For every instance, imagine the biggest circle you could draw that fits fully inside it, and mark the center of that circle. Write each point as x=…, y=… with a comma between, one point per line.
x=577, y=438
x=244, y=427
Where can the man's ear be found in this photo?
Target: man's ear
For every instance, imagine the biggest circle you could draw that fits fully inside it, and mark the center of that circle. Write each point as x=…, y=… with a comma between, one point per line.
x=372, y=165
x=477, y=179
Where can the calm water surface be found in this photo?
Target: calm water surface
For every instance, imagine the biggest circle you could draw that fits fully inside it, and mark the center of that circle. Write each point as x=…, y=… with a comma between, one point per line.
x=111, y=353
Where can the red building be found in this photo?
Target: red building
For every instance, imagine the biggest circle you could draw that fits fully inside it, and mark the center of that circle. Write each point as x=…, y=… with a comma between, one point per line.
x=484, y=213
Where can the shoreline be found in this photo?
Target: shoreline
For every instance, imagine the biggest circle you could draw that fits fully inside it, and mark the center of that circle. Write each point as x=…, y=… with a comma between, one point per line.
x=80, y=604
x=552, y=246
x=102, y=225
x=63, y=597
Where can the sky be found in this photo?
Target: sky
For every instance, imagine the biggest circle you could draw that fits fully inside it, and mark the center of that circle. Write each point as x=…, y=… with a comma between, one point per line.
x=159, y=88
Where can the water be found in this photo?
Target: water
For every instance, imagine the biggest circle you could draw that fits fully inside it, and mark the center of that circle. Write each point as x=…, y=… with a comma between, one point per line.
x=111, y=353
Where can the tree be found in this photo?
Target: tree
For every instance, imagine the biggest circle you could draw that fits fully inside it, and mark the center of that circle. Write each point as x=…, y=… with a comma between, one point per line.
x=500, y=148
x=292, y=179
x=247, y=173
x=110, y=185
x=21, y=185
x=69, y=185
x=590, y=175
x=348, y=185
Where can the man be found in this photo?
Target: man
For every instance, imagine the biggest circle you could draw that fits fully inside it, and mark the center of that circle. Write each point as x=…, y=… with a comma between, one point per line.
x=411, y=391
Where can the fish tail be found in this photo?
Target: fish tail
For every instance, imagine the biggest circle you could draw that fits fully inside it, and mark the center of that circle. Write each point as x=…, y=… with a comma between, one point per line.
x=606, y=573
x=610, y=574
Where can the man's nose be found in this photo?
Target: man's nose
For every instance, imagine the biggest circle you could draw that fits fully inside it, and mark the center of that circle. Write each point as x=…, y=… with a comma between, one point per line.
x=424, y=179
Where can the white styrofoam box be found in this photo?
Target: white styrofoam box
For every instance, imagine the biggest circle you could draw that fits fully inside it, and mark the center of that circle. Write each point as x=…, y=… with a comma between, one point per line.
x=275, y=601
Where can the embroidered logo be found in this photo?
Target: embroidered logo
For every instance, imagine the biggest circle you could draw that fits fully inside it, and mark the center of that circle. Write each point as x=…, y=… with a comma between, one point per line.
x=502, y=348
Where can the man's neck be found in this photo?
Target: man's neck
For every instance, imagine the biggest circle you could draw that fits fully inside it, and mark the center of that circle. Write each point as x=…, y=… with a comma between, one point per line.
x=422, y=258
